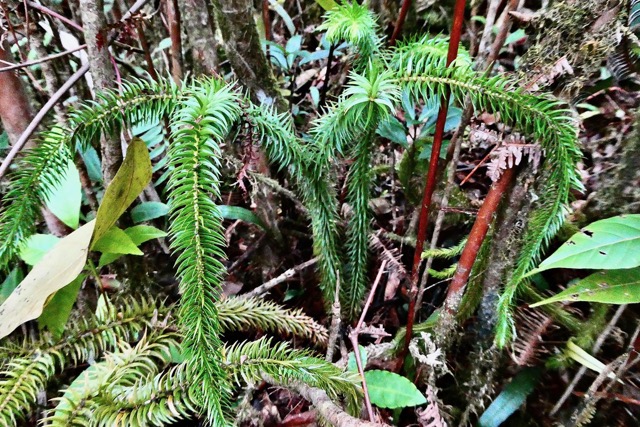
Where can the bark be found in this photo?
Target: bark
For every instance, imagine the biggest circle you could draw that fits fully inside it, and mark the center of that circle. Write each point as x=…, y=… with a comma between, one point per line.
x=15, y=109
x=244, y=51
x=173, y=16
x=201, y=45
x=16, y=115
x=96, y=38
x=618, y=191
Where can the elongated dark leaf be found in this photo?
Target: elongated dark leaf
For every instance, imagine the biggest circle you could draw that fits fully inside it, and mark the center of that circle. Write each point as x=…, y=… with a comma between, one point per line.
x=610, y=287
x=236, y=212
x=510, y=399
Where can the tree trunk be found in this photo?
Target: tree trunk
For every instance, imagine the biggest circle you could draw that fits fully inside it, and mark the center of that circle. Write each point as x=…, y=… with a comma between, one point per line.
x=16, y=114
x=96, y=37
x=15, y=109
x=201, y=43
x=244, y=52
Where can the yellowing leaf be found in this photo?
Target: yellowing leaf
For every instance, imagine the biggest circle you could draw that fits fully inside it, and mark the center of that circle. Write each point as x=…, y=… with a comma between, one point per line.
x=132, y=177
x=62, y=265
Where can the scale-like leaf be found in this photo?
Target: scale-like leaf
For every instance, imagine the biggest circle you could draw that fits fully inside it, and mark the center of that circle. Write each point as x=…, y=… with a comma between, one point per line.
x=390, y=390
x=61, y=265
x=611, y=243
x=132, y=177
x=610, y=287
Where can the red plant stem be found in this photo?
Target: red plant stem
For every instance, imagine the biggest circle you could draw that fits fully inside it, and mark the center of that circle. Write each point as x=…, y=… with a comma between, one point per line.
x=266, y=20
x=430, y=185
x=476, y=237
x=406, y=4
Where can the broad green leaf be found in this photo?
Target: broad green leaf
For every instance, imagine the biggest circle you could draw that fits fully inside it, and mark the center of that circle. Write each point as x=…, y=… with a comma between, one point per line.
x=236, y=212
x=327, y=4
x=510, y=398
x=56, y=312
x=143, y=233
x=612, y=243
x=138, y=234
x=148, y=210
x=351, y=360
x=394, y=131
x=132, y=177
x=116, y=241
x=36, y=247
x=390, y=390
x=65, y=200
x=61, y=265
x=10, y=283
x=609, y=286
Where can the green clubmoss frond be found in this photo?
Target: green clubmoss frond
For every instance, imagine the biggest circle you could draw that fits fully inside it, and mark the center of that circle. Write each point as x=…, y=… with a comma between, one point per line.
x=200, y=124
x=239, y=313
x=355, y=24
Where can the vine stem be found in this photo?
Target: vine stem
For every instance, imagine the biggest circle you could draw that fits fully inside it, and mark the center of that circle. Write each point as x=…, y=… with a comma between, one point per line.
x=476, y=237
x=430, y=185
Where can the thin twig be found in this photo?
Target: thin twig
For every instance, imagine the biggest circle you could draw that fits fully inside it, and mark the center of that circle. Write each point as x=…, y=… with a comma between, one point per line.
x=456, y=141
x=327, y=74
x=322, y=403
x=594, y=350
x=41, y=60
x=265, y=287
x=353, y=336
x=56, y=97
x=39, y=117
x=54, y=14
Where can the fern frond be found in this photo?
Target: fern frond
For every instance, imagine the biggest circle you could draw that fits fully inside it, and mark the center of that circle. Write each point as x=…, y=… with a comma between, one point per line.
x=201, y=123
x=249, y=362
x=245, y=313
x=30, y=370
x=446, y=273
x=355, y=24
x=445, y=253
x=542, y=118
